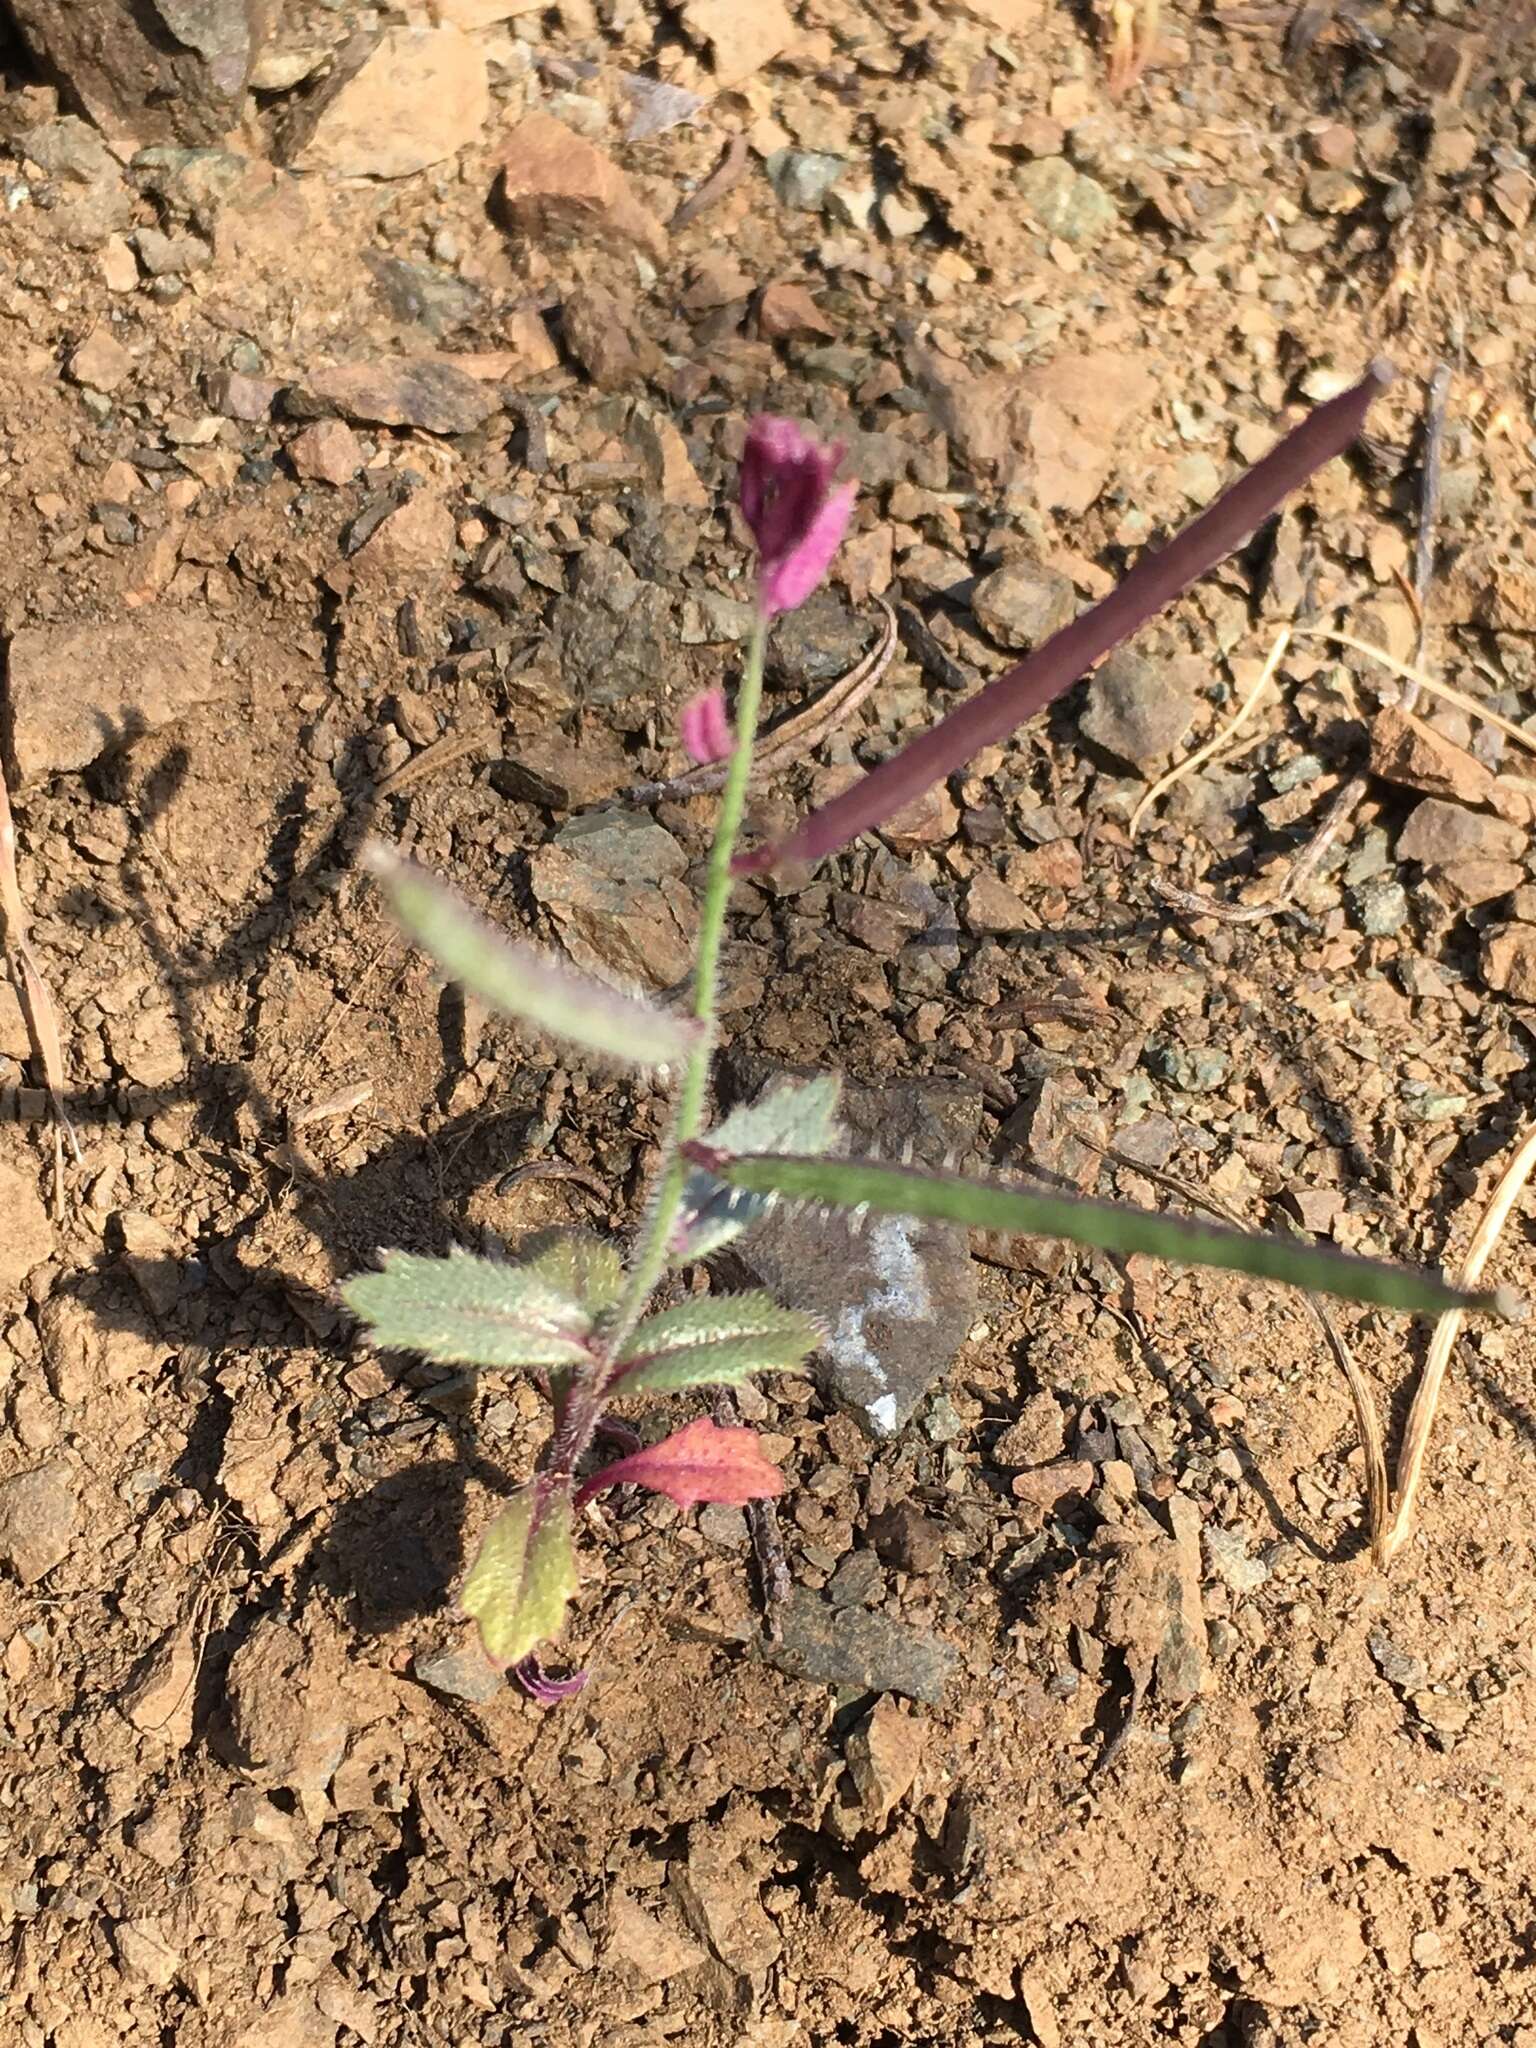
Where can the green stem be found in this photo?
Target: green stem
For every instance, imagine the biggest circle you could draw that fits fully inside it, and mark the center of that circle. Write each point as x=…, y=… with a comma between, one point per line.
x=717, y=888
x=693, y=1096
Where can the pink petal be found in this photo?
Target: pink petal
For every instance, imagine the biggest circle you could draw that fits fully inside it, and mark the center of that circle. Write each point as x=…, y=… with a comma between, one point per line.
x=790, y=581
x=785, y=476
x=705, y=729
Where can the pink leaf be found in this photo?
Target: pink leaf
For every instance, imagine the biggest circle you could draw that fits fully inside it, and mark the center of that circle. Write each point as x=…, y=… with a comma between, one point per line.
x=701, y=1462
x=1157, y=579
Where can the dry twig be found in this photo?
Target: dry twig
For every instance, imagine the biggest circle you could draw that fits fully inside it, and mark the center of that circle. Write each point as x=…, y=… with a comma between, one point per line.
x=726, y=174
x=793, y=737
x=1388, y=1536
x=441, y=753
x=1416, y=679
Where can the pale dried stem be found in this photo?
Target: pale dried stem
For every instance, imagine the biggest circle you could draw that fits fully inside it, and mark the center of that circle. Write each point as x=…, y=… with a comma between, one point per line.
x=1221, y=739
x=1420, y=679
x=1390, y=1537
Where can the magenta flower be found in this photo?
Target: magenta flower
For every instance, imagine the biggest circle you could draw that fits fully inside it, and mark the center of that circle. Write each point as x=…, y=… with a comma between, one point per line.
x=796, y=517
x=705, y=729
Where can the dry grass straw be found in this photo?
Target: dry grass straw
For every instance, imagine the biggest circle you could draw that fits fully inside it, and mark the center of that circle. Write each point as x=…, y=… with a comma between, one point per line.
x=1219, y=740
x=1134, y=26
x=32, y=991
x=1389, y=1535
x=1406, y=672
x=1390, y=1526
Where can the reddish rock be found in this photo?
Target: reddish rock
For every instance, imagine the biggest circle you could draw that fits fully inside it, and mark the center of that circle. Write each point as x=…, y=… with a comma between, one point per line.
x=555, y=185
x=430, y=392
x=1056, y=865
x=531, y=344
x=418, y=98
x=119, y=265
x=1062, y=427
x=100, y=363
x=603, y=333
x=1045, y=1485
x=661, y=447
x=1407, y=751
x=73, y=692
x=38, y=1511
x=784, y=310
x=28, y=1236
x=991, y=906
x=1467, y=883
x=743, y=35
x=1509, y=961
x=1438, y=832
x=929, y=820
x=865, y=563
x=239, y=397
x=172, y=73
x=416, y=541
x=328, y=452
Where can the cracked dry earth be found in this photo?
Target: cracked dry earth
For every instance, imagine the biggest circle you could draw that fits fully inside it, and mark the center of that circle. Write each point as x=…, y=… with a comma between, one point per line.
x=373, y=473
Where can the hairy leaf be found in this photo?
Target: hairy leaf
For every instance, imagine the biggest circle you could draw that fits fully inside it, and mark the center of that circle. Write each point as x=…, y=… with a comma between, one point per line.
x=578, y=1265
x=795, y=1116
x=1109, y=1226
x=524, y=1574
x=701, y=1462
x=526, y=983
x=715, y=1341
x=1157, y=579
x=464, y=1310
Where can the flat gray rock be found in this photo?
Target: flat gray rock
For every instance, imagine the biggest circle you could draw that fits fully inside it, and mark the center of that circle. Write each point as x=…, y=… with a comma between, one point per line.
x=847, y=1646
x=895, y=1296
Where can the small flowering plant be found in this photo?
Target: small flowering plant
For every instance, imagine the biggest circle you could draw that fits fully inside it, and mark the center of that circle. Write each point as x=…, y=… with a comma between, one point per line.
x=578, y=1311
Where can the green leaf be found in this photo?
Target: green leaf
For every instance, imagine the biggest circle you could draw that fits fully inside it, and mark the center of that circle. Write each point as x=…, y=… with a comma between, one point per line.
x=578, y=1265
x=796, y=1116
x=526, y=983
x=908, y=1191
x=713, y=1342
x=467, y=1311
x=524, y=1574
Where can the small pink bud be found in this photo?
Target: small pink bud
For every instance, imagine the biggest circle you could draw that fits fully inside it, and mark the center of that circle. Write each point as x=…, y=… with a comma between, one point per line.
x=706, y=731
x=796, y=517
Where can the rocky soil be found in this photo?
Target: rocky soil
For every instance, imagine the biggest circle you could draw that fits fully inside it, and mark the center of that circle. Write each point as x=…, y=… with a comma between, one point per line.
x=371, y=388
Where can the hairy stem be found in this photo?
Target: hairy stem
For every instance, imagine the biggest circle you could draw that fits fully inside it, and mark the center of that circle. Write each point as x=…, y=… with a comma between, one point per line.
x=586, y=1403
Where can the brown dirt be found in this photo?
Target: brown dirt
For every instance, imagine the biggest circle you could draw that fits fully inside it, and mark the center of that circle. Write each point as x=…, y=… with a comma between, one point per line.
x=230, y=1809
